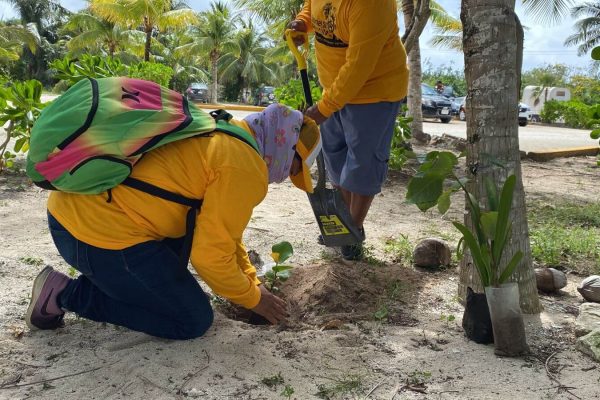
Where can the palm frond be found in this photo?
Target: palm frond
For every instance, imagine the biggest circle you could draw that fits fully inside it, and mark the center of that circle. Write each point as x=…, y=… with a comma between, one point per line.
x=548, y=11
x=453, y=42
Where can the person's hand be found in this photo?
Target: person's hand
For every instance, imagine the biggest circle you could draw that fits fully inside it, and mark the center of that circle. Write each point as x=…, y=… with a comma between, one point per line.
x=270, y=306
x=314, y=113
x=297, y=26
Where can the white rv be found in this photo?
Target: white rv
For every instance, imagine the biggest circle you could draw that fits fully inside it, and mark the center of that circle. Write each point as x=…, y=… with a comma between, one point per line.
x=536, y=99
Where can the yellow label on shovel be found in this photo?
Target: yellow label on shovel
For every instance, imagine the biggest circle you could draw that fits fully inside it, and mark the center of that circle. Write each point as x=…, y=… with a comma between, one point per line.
x=332, y=225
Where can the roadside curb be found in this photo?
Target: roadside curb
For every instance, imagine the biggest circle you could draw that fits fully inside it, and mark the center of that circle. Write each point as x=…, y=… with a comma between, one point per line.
x=573, y=152
x=233, y=107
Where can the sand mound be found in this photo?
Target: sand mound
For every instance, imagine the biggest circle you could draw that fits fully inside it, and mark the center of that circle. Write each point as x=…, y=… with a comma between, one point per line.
x=318, y=294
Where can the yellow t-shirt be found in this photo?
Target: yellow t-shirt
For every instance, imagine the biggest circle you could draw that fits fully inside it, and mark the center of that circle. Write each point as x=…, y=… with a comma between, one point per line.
x=360, y=58
x=227, y=173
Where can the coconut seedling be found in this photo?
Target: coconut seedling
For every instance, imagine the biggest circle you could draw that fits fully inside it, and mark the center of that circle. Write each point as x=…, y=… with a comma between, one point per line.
x=280, y=272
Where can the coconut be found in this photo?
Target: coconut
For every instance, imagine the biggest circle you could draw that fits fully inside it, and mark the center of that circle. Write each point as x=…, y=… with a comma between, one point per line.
x=550, y=280
x=589, y=288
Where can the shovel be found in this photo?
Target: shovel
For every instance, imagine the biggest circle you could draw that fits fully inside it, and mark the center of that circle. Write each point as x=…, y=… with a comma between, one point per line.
x=334, y=220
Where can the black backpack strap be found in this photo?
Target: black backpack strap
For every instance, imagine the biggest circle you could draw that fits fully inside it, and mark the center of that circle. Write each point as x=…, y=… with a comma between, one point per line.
x=190, y=220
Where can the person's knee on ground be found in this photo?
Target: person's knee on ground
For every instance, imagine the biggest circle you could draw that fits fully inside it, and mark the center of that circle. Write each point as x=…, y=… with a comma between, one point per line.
x=194, y=324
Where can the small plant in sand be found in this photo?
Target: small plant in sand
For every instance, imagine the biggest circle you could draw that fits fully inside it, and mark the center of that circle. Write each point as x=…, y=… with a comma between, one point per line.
x=33, y=261
x=280, y=273
x=288, y=391
x=273, y=381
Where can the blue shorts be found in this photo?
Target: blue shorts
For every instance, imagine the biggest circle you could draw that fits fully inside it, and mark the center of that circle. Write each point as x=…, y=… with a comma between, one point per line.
x=356, y=145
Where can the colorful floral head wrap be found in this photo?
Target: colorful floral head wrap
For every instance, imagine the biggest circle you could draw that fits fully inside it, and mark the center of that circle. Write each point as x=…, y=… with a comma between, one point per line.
x=277, y=129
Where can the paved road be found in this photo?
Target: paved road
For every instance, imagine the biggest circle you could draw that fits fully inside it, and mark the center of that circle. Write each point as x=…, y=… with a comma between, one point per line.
x=532, y=137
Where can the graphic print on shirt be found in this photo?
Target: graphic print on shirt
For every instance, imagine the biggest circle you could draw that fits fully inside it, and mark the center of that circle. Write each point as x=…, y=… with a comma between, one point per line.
x=325, y=28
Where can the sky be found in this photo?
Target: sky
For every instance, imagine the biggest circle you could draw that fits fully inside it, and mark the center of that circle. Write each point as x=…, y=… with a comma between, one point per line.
x=543, y=44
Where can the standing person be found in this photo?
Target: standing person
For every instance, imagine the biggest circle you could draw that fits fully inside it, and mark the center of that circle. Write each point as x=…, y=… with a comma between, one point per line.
x=361, y=64
x=127, y=243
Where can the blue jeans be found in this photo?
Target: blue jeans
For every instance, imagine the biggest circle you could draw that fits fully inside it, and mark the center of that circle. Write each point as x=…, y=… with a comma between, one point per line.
x=142, y=287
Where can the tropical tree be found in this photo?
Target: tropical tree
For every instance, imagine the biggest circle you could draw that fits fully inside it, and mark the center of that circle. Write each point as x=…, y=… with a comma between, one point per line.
x=151, y=16
x=12, y=39
x=447, y=29
x=492, y=130
x=210, y=36
x=46, y=16
x=276, y=13
x=587, y=35
x=92, y=32
x=187, y=67
x=244, y=58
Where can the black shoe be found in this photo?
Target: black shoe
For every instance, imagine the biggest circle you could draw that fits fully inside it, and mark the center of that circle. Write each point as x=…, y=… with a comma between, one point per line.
x=353, y=252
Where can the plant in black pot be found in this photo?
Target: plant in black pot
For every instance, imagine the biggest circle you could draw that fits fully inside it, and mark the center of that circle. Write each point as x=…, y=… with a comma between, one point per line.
x=486, y=240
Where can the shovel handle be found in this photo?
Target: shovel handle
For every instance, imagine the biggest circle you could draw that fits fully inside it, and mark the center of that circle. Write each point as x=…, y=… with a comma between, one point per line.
x=300, y=60
x=290, y=34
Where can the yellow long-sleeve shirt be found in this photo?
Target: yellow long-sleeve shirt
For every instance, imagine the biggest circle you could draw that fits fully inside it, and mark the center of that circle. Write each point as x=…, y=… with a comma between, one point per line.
x=360, y=58
x=227, y=173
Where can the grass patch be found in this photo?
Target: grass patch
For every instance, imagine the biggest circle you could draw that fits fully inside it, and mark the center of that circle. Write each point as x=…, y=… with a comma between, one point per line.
x=273, y=381
x=400, y=249
x=566, y=235
x=33, y=261
x=351, y=384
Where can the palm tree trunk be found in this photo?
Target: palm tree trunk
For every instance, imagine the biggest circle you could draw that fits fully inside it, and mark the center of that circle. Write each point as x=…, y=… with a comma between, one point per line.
x=491, y=28
x=148, y=30
x=215, y=74
x=414, y=97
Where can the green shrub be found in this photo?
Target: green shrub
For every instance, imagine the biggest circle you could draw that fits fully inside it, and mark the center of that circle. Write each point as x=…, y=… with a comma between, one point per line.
x=401, y=149
x=72, y=71
x=292, y=94
x=154, y=72
x=575, y=114
x=20, y=106
x=552, y=111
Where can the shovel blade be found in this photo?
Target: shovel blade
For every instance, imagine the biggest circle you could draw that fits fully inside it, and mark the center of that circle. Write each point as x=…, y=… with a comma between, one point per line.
x=334, y=219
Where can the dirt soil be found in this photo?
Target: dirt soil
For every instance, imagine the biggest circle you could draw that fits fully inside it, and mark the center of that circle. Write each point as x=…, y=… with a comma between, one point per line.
x=378, y=330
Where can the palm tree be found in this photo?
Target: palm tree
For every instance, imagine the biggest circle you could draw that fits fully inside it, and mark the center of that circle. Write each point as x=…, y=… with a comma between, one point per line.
x=493, y=142
x=187, y=67
x=42, y=13
x=210, y=36
x=46, y=15
x=93, y=32
x=151, y=15
x=14, y=37
x=244, y=58
x=447, y=29
x=276, y=13
x=587, y=28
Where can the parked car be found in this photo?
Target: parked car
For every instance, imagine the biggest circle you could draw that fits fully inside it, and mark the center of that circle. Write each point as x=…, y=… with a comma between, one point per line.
x=457, y=102
x=197, y=92
x=265, y=96
x=525, y=113
x=434, y=105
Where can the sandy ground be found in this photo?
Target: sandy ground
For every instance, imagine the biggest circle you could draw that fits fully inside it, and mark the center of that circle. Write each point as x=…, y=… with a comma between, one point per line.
x=419, y=353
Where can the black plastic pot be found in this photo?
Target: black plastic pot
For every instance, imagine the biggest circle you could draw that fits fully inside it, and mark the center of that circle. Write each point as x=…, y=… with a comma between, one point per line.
x=476, y=319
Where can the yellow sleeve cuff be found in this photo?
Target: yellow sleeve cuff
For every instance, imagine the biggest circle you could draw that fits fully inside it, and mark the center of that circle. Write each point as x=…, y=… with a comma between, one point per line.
x=253, y=300
x=325, y=109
